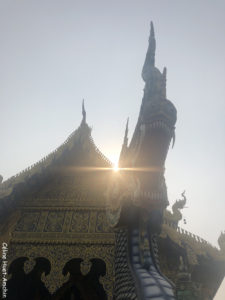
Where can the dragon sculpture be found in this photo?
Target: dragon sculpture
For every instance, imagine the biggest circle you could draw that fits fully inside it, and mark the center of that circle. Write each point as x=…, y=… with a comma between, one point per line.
x=176, y=215
x=137, y=196
x=178, y=205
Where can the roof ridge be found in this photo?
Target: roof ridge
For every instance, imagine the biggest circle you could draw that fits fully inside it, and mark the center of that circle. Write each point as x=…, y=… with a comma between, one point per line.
x=99, y=151
x=191, y=235
x=39, y=163
x=47, y=160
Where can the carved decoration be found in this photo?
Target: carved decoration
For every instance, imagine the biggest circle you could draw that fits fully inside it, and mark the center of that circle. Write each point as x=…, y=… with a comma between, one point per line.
x=54, y=222
x=101, y=223
x=59, y=255
x=28, y=222
x=80, y=221
x=176, y=216
x=66, y=226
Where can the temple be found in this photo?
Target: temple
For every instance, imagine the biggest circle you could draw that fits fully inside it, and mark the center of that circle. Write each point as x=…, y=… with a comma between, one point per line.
x=75, y=229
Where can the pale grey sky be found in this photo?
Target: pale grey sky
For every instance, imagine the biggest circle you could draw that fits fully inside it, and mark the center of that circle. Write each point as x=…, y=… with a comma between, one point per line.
x=53, y=53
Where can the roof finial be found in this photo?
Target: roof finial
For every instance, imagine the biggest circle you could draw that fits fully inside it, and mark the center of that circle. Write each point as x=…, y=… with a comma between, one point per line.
x=150, y=56
x=152, y=45
x=125, y=141
x=83, y=112
x=124, y=146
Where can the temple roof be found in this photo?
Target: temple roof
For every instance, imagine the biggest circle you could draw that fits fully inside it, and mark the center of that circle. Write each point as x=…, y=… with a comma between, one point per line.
x=78, y=150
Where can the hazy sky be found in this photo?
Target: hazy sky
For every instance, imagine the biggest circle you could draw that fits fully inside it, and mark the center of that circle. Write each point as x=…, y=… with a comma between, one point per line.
x=53, y=53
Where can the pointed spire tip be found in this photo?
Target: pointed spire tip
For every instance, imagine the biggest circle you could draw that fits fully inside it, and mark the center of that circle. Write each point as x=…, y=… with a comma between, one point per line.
x=127, y=122
x=126, y=133
x=152, y=31
x=83, y=112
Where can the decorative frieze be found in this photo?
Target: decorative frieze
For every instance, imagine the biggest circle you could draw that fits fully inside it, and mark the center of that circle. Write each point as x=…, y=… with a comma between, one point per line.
x=54, y=222
x=28, y=222
x=80, y=221
x=63, y=226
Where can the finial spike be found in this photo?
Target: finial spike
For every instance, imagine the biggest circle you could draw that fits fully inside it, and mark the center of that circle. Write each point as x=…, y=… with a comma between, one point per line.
x=152, y=45
x=125, y=141
x=152, y=31
x=150, y=56
x=126, y=132
x=83, y=112
x=124, y=146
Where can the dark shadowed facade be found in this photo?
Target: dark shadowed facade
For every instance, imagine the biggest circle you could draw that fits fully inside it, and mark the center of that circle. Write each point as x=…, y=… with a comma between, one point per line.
x=76, y=229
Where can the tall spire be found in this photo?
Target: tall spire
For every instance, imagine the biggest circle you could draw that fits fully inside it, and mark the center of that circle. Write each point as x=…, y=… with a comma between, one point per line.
x=152, y=45
x=125, y=140
x=150, y=56
x=83, y=112
x=124, y=146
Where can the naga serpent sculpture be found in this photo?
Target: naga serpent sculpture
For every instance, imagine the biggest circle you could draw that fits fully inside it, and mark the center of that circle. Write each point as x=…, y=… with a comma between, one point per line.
x=137, y=195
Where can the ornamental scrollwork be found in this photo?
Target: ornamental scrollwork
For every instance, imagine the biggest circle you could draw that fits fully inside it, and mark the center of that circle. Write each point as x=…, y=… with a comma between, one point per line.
x=59, y=255
x=28, y=222
x=102, y=224
x=80, y=221
x=54, y=222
